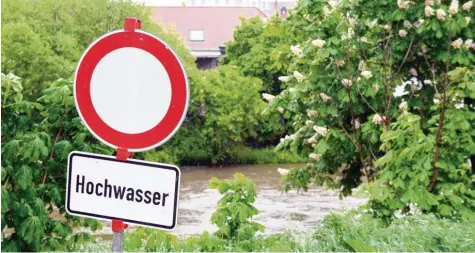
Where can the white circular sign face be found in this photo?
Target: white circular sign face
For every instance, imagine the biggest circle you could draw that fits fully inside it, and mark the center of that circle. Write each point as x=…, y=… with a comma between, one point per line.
x=131, y=90
x=131, y=98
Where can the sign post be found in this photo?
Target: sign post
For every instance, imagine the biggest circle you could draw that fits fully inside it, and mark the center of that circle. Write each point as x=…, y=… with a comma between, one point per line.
x=131, y=92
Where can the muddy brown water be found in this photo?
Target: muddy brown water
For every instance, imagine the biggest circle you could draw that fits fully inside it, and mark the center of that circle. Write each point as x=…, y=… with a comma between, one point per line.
x=278, y=211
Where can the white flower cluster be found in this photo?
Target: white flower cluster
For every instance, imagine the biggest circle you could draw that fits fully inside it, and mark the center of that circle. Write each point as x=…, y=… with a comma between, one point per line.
x=403, y=106
x=298, y=76
x=285, y=78
x=378, y=120
x=467, y=6
x=321, y=130
x=347, y=83
x=440, y=14
x=325, y=97
x=311, y=113
x=402, y=33
x=403, y=4
x=454, y=7
x=366, y=74
x=459, y=43
x=297, y=50
x=268, y=96
x=318, y=43
x=314, y=156
x=340, y=63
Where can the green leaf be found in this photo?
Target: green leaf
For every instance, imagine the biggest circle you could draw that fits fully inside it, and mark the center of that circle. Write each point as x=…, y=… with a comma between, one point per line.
x=23, y=177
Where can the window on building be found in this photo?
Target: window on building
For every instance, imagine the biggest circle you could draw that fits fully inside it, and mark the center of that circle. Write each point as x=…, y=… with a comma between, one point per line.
x=197, y=35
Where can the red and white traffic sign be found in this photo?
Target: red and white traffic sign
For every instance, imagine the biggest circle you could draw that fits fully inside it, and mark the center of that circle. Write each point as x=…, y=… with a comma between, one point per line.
x=131, y=90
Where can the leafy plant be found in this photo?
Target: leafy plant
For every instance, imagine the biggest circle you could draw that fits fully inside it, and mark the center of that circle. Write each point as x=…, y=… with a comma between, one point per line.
x=354, y=69
x=37, y=137
x=235, y=211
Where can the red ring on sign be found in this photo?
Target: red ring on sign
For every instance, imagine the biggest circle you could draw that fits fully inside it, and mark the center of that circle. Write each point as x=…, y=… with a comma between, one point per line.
x=179, y=87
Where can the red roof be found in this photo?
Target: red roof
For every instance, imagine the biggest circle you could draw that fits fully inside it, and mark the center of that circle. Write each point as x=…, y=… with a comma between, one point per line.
x=218, y=23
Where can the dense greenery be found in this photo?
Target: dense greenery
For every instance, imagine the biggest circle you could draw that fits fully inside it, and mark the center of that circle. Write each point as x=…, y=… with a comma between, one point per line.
x=42, y=41
x=378, y=90
x=355, y=231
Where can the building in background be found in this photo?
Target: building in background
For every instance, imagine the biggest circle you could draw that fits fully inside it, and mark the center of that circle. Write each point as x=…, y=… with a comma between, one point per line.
x=206, y=25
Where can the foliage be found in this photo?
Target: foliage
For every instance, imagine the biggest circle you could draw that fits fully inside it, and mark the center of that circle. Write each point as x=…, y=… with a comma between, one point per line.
x=221, y=117
x=352, y=232
x=234, y=213
x=355, y=69
x=37, y=137
x=51, y=35
x=251, y=50
x=246, y=155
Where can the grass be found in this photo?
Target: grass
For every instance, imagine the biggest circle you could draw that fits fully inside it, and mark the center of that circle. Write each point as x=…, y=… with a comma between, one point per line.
x=341, y=233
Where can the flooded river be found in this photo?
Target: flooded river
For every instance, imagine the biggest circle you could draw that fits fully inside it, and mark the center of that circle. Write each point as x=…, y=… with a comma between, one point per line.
x=278, y=211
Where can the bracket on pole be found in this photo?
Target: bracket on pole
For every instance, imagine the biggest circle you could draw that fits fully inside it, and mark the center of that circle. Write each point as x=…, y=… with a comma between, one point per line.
x=131, y=24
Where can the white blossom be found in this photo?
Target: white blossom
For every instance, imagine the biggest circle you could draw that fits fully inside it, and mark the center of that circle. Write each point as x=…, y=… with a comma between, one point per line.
x=293, y=137
x=407, y=24
x=314, y=156
x=285, y=78
x=333, y=3
x=267, y=96
x=366, y=74
x=378, y=120
x=403, y=4
x=402, y=33
x=403, y=105
x=441, y=14
x=467, y=6
x=320, y=130
x=427, y=82
x=454, y=7
x=298, y=76
x=283, y=172
x=429, y=2
x=428, y=11
x=387, y=27
x=346, y=83
x=311, y=113
x=280, y=109
x=364, y=39
x=375, y=87
x=318, y=43
x=309, y=123
x=361, y=65
x=460, y=104
x=398, y=214
x=468, y=44
x=312, y=139
x=467, y=20
x=325, y=97
x=458, y=43
x=340, y=63
x=352, y=22
x=296, y=49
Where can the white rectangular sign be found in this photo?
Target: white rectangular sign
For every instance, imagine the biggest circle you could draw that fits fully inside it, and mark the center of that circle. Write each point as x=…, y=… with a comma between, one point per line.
x=134, y=191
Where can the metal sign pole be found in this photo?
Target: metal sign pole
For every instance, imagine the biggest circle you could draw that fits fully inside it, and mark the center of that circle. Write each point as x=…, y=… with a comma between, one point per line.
x=118, y=226
x=118, y=237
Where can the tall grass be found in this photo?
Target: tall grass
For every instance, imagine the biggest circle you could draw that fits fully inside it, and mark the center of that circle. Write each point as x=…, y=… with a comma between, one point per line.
x=348, y=233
